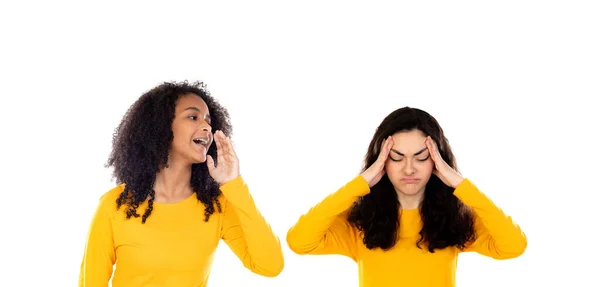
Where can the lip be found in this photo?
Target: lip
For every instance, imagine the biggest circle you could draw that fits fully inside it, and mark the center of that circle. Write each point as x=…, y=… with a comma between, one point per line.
x=207, y=136
x=409, y=180
x=203, y=148
x=200, y=149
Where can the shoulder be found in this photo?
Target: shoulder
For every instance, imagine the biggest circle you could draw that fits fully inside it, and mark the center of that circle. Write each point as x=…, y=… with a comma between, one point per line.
x=234, y=192
x=224, y=203
x=108, y=200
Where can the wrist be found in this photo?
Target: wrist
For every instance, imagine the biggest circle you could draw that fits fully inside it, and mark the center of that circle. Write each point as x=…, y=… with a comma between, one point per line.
x=368, y=178
x=457, y=181
x=230, y=182
x=227, y=180
x=365, y=179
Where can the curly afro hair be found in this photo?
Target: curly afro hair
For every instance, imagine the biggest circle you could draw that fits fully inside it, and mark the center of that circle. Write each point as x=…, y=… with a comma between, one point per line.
x=446, y=220
x=141, y=145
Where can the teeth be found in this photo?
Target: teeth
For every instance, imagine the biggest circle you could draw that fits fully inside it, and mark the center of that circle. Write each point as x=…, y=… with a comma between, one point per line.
x=201, y=141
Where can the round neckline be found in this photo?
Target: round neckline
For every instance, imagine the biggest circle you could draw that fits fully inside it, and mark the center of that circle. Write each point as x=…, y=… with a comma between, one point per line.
x=409, y=213
x=183, y=201
x=410, y=210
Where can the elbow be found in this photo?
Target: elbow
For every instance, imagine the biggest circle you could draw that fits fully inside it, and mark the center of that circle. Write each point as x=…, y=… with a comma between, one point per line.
x=520, y=246
x=275, y=270
x=272, y=269
x=514, y=250
x=270, y=266
x=276, y=265
x=290, y=238
x=294, y=242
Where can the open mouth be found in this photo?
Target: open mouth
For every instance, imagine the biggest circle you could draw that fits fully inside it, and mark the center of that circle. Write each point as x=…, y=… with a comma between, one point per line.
x=201, y=142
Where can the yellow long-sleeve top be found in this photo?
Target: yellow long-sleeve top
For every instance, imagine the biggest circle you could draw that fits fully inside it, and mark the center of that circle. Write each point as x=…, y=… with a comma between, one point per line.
x=324, y=229
x=175, y=246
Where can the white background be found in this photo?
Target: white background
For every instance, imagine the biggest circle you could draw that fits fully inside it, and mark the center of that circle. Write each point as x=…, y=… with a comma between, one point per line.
x=306, y=84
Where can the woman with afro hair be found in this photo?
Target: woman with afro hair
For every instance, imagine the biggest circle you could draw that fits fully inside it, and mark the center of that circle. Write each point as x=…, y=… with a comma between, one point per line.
x=407, y=216
x=179, y=193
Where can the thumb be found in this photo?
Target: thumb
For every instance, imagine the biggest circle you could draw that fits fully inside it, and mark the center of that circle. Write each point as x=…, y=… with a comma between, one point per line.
x=380, y=162
x=210, y=162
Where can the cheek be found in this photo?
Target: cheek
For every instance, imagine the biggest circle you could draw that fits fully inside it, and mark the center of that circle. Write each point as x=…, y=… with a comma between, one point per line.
x=427, y=168
x=393, y=169
x=177, y=136
x=182, y=136
x=176, y=128
x=182, y=130
x=388, y=165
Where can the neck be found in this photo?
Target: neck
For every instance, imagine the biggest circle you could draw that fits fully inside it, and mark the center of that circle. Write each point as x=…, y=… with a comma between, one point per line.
x=173, y=183
x=410, y=201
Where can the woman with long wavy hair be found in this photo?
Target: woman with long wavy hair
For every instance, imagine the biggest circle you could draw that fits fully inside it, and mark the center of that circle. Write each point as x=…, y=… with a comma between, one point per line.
x=408, y=215
x=178, y=195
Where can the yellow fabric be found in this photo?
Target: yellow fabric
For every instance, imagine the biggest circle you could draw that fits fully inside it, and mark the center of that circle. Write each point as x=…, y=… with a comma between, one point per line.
x=175, y=247
x=325, y=230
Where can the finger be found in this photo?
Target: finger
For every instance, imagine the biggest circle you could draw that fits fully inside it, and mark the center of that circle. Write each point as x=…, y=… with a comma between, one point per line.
x=437, y=151
x=432, y=150
x=434, y=145
x=228, y=146
x=227, y=155
x=429, y=147
x=219, y=142
x=389, y=145
x=382, y=151
x=385, y=150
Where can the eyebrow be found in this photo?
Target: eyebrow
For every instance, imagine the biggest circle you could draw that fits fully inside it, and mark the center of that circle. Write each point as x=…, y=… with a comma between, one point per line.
x=417, y=153
x=193, y=108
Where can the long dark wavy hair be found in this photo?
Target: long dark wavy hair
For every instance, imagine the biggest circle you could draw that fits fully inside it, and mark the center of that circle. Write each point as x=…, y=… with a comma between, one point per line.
x=446, y=220
x=141, y=142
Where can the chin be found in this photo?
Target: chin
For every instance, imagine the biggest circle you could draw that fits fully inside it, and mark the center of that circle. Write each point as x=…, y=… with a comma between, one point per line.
x=409, y=190
x=199, y=159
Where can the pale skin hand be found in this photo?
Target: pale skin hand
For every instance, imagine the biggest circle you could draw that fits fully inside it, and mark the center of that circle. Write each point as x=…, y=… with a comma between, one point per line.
x=445, y=172
x=374, y=173
x=228, y=168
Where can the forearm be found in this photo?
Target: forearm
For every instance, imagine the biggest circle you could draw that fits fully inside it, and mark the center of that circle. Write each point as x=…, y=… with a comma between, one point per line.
x=311, y=229
x=506, y=239
x=262, y=252
x=99, y=255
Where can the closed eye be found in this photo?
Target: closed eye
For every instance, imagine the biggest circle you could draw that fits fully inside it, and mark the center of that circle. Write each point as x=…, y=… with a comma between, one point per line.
x=400, y=159
x=425, y=159
x=395, y=160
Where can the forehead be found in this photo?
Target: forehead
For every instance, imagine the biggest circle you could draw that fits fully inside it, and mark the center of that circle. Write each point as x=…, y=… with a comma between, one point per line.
x=191, y=101
x=409, y=141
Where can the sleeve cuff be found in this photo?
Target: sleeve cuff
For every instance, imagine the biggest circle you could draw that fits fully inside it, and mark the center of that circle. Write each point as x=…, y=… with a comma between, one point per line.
x=465, y=187
x=358, y=186
x=468, y=193
x=233, y=184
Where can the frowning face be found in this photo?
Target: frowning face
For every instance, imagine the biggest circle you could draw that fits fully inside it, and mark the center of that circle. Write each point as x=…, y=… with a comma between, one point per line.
x=409, y=165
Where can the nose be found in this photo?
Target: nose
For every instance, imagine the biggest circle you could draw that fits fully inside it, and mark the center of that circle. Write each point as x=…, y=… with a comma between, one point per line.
x=409, y=168
x=206, y=127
